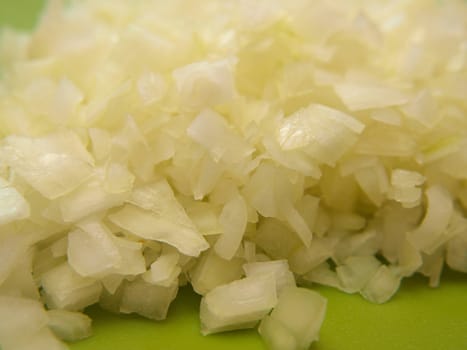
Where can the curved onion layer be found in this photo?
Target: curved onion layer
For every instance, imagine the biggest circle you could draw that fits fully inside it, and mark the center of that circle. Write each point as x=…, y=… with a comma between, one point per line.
x=241, y=147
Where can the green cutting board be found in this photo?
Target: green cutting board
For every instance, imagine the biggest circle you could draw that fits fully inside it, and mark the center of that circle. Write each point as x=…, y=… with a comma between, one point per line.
x=417, y=318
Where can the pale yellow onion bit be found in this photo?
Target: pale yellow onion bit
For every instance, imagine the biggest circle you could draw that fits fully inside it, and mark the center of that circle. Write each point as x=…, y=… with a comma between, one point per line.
x=295, y=321
x=238, y=304
x=279, y=268
x=54, y=164
x=322, y=132
x=25, y=322
x=428, y=236
x=69, y=325
x=212, y=271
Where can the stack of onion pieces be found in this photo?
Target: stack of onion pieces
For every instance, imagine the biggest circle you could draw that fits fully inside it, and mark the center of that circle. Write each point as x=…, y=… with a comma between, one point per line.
x=245, y=148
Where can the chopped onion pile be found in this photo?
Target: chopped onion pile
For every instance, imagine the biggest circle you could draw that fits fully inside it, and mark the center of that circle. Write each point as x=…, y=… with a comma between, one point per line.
x=240, y=147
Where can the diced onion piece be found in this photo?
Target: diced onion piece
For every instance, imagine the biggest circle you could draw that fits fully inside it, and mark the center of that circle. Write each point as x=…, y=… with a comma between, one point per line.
x=260, y=190
x=325, y=77
x=352, y=164
x=404, y=188
x=324, y=133
x=152, y=49
x=237, y=305
x=101, y=143
x=125, y=255
x=20, y=318
x=356, y=271
x=118, y=179
x=89, y=198
x=54, y=164
x=41, y=340
x=348, y=222
x=111, y=283
x=456, y=254
x=158, y=197
x=210, y=172
x=358, y=95
x=204, y=216
x=406, y=178
x=162, y=149
x=146, y=224
x=410, y=259
x=212, y=271
x=249, y=250
x=164, y=271
x=443, y=149
x=382, y=286
x=292, y=159
x=423, y=109
x=396, y=222
x=129, y=139
x=212, y=131
x=92, y=252
x=323, y=274
x=65, y=104
x=276, y=335
x=279, y=268
x=433, y=267
x=21, y=282
x=387, y=116
x=298, y=224
x=69, y=325
x=163, y=219
x=409, y=197
x=13, y=206
x=300, y=312
x=203, y=84
x=357, y=244
x=151, y=87
x=12, y=249
x=60, y=247
x=44, y=261
x=65, y=289
x=276, y=239
x=304, y=259
x=428, y=236
x=233, y=220
x=388, y=141
x=271, y=191
x=132, y=260
x=148, y=300
x=374, y=182
x=308, y=207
